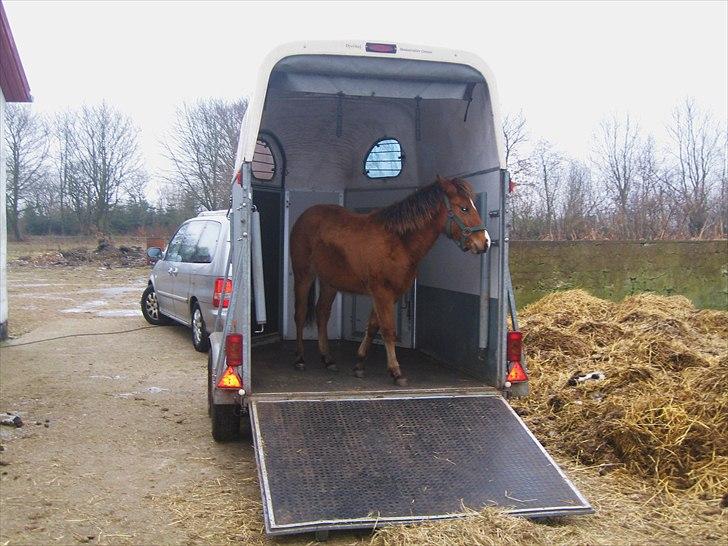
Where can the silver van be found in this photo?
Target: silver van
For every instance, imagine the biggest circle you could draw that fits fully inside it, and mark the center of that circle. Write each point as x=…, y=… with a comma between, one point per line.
x=188, y=277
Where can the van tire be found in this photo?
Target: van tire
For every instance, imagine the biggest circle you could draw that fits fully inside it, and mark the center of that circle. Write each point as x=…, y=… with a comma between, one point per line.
x=200, y=337
x=150, y=308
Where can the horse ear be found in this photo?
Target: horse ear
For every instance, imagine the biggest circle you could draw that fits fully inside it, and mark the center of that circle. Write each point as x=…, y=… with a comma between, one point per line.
x=440, y=180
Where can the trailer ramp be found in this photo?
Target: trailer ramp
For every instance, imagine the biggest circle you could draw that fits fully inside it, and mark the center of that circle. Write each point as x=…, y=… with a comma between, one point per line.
x=362, y=462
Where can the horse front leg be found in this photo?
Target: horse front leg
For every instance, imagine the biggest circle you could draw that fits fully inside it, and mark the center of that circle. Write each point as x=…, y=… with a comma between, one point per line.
x=384, y=305
x=361, y=353
x=323, y=312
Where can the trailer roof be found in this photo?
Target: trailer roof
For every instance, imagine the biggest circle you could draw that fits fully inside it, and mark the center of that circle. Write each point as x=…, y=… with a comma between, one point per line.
x=320, y=67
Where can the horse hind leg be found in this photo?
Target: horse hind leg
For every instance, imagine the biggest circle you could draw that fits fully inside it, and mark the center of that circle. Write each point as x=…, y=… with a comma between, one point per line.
x=303, y=281
x=384, y=305
x=323, y=312
x=366, y=343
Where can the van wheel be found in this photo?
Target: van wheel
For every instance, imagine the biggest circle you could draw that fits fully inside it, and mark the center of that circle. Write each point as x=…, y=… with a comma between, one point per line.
x=150, y=308
x=200, y=337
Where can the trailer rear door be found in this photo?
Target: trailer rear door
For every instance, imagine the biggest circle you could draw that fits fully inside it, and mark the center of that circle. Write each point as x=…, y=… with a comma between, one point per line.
x=358, y=462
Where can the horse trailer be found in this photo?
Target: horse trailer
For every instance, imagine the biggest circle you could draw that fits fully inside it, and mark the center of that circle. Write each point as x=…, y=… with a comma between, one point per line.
x=363, y=125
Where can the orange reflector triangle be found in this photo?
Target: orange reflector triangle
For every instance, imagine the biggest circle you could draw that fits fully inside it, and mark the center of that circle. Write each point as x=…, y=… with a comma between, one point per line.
x=517, y=373
x=229, y=380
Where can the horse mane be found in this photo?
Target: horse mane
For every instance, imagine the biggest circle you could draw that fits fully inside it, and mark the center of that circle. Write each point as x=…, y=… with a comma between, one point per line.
x=419, y=208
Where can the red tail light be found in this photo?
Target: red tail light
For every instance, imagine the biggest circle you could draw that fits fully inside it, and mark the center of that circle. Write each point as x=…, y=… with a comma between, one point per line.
x=217, y=294
x=514, y=347
x=514, y=350
x=234, y=350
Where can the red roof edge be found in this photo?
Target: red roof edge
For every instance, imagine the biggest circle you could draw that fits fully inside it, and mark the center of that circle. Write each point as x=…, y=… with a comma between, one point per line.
x=13, y=82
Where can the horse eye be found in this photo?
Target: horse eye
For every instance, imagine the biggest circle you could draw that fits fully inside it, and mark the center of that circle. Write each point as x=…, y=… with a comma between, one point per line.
x=464, y=209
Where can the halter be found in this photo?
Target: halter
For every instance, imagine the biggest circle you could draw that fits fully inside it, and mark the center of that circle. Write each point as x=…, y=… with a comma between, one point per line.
x=465, y=231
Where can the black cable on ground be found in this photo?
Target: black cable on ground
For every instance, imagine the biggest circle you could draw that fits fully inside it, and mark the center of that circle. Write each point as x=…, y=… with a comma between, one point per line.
x=75, y=335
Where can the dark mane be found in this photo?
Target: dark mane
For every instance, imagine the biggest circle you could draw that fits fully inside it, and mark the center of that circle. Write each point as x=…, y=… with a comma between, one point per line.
x=416, y=210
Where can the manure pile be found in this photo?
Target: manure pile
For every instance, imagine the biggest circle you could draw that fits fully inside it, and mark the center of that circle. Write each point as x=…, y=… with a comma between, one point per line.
x=661, y=410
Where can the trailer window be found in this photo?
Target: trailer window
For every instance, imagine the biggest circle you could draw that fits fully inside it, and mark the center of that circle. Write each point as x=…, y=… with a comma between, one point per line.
x=264, y=164
x=384, y=159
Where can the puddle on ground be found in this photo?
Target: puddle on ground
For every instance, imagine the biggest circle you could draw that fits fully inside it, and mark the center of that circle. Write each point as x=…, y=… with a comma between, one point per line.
x=21, y=284
x=115, y=313
x=47, y=297
x=111, y=291
x=148, y=390
x=86, y=307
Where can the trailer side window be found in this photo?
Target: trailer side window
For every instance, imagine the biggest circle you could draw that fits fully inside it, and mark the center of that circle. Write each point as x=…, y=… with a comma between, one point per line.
x=264, y=164
x=384, y=159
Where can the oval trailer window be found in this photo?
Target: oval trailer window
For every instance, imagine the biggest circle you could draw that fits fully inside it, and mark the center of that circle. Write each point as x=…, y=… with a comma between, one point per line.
x=384, y=159
x=264, y=164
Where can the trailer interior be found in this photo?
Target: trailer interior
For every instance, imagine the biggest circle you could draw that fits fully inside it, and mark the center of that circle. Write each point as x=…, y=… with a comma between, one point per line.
x=365, y=133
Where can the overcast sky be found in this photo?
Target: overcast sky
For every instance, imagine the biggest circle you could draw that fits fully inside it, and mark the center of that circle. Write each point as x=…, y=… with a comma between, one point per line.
x=566, y=65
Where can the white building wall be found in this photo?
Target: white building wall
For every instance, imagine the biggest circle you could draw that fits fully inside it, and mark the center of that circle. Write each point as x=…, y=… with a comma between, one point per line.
x=3, y=229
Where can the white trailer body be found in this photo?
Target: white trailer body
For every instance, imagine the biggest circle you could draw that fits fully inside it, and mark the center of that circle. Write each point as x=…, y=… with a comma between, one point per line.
x=317, y=111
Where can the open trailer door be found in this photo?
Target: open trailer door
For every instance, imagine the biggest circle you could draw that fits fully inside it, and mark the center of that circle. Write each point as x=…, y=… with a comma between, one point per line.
x=361, y=462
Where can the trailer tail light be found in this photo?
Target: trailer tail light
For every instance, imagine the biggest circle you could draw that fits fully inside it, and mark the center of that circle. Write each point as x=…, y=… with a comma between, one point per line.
x=230, y=380
x=233, y=358
x=221, y=283
x=514, y=347
x=372, y=47
x=514, y=350
x=234, y=350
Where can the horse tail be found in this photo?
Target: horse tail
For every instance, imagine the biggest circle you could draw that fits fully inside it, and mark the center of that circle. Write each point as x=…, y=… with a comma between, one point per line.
x=311, y=304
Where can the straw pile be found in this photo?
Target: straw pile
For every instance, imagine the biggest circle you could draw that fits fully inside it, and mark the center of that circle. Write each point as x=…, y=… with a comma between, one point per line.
x=661, y=412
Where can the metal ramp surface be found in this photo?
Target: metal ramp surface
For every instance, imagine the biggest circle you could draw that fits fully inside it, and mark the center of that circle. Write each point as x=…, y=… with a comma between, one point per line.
x=362, y=462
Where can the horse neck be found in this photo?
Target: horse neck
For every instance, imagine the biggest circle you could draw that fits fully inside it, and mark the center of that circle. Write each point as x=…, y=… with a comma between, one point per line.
x=420, y=241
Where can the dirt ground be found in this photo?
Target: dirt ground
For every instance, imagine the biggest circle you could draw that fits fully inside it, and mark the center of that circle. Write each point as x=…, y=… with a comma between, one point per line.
x=116, y=446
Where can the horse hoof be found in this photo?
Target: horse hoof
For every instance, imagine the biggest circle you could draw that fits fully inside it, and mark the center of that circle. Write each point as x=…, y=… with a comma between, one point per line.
x=332, y=367
x=359, y=373
x=401, y=381
x=300, y=365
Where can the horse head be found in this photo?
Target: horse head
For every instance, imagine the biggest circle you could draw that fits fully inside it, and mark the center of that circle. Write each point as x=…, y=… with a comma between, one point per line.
x=463, y=223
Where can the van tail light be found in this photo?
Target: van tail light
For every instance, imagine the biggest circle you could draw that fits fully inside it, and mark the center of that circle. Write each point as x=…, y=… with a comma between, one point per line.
x=233, y=358
x=221, y=283
x=514, y=351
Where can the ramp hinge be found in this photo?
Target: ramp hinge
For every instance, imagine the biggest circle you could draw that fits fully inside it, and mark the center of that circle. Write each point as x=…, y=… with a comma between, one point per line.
x=494, y=213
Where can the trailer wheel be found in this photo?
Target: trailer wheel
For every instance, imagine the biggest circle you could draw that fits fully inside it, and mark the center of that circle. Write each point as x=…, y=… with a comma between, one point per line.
x=150, y=308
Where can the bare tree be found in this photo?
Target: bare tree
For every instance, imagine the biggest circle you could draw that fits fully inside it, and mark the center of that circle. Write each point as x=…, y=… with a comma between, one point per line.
x=26, y=138
x=201, y=148
x=515, y=135
x=105, y=152
x=579, y=203
x=698, y=150
x=548, y=173
x=616, y=149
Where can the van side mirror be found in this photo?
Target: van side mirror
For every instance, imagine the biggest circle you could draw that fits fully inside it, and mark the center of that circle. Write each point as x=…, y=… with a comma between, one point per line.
x=154, y=253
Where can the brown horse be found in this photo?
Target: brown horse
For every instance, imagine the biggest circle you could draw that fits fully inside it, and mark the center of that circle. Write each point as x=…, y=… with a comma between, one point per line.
x=376, y=254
